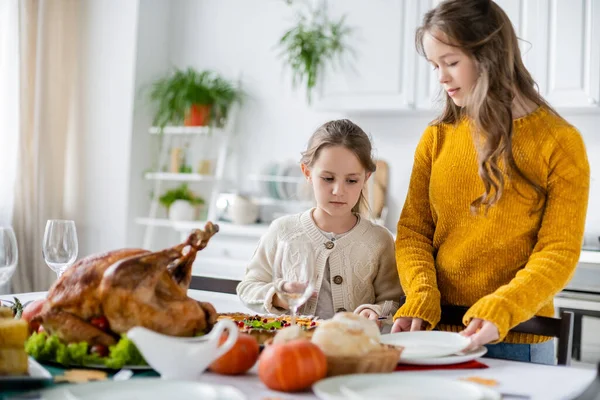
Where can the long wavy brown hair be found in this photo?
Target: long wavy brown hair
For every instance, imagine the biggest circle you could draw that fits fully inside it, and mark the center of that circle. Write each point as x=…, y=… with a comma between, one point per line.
x=484, y=32
x=343, y=132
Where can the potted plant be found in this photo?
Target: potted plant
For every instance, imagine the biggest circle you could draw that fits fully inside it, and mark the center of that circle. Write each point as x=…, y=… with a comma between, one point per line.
x=192, y=98
x=313, y=42
x=181, y=203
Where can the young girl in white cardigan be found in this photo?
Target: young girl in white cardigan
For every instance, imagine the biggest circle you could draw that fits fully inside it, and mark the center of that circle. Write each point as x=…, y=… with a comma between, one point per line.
x=355, y=263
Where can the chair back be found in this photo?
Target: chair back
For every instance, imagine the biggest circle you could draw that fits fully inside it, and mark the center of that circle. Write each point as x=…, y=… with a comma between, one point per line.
x=214, y=284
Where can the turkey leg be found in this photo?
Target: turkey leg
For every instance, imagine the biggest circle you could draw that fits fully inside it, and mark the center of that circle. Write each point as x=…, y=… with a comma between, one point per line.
x=181, y=268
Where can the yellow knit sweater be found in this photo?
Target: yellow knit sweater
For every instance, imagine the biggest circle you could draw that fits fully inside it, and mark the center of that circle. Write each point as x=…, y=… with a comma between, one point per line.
x=506, y=265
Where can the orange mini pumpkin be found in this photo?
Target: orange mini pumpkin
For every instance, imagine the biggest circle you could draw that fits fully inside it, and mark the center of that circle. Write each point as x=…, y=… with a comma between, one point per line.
x=291, y=366
x=239, y=359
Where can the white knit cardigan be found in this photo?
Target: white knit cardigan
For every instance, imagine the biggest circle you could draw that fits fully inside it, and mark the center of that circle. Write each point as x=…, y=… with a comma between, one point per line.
x=362, y=267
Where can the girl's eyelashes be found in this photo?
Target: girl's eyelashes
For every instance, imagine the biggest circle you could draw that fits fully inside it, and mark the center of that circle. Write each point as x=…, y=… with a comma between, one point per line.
x=330, y=179
x=453, y=64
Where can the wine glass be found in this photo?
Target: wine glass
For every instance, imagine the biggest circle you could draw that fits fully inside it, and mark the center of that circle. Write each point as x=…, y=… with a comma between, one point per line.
x=60, y=245
x=9, y=254
x=294, y=274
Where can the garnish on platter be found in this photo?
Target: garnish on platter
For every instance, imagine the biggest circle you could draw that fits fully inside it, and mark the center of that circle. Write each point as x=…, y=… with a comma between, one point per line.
x=91, y=307
x=264, y=327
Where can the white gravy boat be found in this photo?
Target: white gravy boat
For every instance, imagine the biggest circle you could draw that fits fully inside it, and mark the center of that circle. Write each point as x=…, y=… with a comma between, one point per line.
x=183, y=357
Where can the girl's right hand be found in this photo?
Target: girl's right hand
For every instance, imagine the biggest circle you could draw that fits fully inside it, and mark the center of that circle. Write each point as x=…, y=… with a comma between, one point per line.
x=280, y=303
x=408, y=324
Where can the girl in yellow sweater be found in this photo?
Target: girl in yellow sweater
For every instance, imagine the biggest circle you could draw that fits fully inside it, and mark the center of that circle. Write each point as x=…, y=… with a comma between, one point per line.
x=495, y=211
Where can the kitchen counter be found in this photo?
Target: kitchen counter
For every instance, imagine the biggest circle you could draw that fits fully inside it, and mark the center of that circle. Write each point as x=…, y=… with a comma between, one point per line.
x=590, y=256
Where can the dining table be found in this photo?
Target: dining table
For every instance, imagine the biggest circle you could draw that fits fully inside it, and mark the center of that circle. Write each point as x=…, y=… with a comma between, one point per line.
x=515, y=380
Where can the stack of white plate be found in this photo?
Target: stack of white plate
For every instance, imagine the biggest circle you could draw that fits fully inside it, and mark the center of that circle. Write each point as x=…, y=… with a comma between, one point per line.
x=420, y=348
x=432, y=347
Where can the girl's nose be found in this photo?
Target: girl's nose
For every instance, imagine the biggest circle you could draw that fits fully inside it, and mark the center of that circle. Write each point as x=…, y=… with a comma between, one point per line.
x=443, y=75
x=336, y=188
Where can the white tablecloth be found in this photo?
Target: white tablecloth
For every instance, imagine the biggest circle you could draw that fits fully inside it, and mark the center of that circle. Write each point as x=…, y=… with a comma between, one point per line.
x=541, y=382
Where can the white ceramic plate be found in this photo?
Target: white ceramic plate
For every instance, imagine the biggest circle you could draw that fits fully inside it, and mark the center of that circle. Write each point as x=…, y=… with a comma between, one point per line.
x=37, y=371
x=448, y=360
x=400, y=385
x=426, y=344
x=143, y=388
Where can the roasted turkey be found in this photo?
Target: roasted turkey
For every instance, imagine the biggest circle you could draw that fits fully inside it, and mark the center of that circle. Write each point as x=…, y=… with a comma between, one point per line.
x=127, y=288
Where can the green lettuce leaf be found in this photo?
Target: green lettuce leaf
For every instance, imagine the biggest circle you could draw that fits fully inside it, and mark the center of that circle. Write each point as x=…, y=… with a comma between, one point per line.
x=49, y=348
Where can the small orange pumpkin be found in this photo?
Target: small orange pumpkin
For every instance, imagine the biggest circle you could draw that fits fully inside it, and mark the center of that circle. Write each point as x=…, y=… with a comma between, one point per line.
x=239, y=359
x=291, y=366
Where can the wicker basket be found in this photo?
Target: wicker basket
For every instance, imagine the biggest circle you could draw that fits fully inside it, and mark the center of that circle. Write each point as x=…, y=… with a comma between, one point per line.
x=384, y=360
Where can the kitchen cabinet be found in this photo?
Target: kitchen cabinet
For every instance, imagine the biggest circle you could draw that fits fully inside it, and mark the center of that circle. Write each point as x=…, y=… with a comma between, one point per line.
x=381, y=74
x=560, y=47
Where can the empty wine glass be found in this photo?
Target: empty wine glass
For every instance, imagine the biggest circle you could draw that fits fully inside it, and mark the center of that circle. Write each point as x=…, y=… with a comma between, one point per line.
x=9, y=254
x=294, y=274
x=60, y=245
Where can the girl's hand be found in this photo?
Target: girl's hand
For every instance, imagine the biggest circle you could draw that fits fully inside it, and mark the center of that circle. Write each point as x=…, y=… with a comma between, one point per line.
x=408, y=324
x=280, y=303
x=481, y=332
x=370, y=314
x=289, y=287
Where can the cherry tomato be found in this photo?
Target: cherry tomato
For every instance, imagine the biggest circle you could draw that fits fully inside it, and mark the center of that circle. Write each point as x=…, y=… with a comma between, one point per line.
x=99, y=349
x=100, y=322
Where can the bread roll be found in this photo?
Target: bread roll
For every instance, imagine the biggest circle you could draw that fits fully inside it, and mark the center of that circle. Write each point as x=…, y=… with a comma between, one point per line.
x=336, y=338
x=288, y=334
x=358, y=322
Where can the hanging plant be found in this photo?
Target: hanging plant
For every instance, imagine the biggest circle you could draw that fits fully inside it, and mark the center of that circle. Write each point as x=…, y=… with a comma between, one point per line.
x=311, y=44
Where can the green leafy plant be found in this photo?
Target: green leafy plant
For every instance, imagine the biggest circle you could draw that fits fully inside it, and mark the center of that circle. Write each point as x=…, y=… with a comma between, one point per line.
x=181, y=192
x=176, y=93
x=313, y=42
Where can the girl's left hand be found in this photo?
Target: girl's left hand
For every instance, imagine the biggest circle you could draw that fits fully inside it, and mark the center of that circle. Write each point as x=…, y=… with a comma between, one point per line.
x=370, y=314
x=481, y=332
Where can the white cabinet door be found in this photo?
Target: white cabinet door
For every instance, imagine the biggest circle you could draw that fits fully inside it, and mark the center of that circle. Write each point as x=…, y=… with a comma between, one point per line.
x=381, y=75
x=428, y=92
x=567, y=66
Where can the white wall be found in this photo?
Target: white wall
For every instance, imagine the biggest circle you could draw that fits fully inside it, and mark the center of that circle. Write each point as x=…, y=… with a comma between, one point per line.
x=106, y=82
x=233, y=35
x=151, y=62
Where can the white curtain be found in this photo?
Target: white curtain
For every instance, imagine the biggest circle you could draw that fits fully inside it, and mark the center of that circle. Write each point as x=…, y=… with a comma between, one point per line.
x=9, y=100
x=48, y=32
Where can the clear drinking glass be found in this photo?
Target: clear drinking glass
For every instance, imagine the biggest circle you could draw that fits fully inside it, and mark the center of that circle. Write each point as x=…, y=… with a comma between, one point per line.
x=60, y=245
x=9, y=254
x=294, y=274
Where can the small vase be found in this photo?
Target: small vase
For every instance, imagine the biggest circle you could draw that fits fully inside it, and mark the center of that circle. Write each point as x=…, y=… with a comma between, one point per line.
x=198, y=115
x=243, y=211
x=182, y=210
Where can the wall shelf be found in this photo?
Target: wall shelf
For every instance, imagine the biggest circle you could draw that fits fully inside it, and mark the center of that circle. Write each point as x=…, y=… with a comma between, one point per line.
x=181, y=177
x=184, y=130
x=225, y=228
x=277, y=178
x=269, y=201
x=591, y=257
